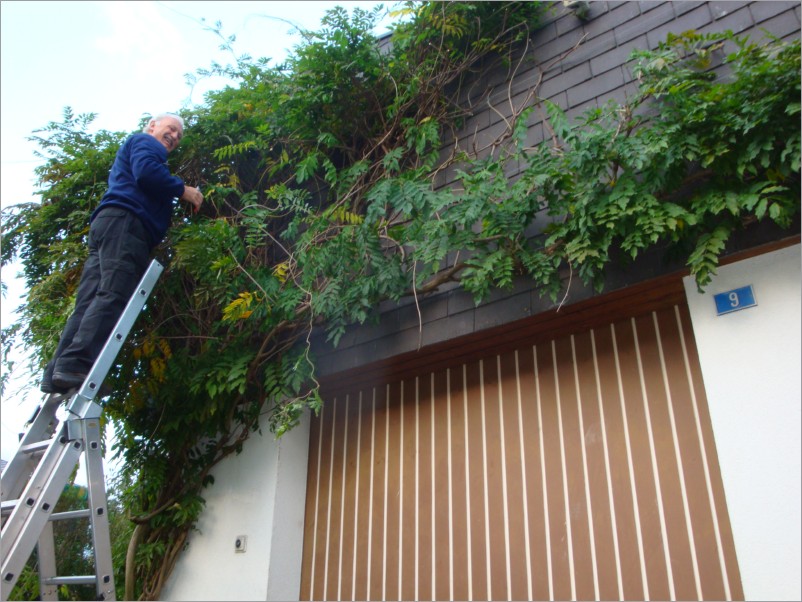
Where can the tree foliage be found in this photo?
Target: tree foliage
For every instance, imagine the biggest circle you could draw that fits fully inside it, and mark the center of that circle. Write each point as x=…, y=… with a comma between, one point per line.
x=319, y=176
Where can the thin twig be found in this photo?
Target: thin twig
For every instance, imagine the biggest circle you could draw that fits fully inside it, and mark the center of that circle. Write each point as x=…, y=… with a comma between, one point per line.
x=417, y=305
x=248, y=274
x=567, y=288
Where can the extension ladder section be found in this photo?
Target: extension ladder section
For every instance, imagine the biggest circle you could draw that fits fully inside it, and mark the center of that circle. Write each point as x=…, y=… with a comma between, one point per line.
x=34, y=479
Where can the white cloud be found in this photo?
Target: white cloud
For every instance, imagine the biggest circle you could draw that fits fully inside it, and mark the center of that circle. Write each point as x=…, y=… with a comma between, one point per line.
x=138, y=29
x=146, y=54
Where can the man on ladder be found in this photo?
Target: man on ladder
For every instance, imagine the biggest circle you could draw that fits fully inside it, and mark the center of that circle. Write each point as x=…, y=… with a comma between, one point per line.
x=130, y=221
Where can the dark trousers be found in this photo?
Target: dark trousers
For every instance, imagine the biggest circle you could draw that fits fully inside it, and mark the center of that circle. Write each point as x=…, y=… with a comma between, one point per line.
x=119, y=252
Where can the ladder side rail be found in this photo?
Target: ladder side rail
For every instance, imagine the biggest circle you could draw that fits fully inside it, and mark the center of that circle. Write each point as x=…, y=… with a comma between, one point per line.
x=91, y=385
x=15, y=476
x=46, y=549
x=21, y=531
x=99, y=517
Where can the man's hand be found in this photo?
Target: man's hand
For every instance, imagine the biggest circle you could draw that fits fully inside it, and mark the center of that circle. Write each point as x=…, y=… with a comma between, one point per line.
x=192, y=196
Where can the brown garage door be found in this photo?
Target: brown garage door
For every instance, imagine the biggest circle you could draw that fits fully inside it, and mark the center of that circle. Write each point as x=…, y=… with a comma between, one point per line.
x=578, y=468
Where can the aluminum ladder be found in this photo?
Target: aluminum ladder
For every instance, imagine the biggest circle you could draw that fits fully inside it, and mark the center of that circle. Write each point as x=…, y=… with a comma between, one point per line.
x=34, y=479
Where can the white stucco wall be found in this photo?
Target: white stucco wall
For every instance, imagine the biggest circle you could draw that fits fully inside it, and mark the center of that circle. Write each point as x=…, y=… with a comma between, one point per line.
x=751, y=362
x=259, y=494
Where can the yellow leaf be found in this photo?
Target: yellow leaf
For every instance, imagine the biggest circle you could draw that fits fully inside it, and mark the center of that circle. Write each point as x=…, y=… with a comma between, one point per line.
x=280, y=271
x=238, y=308
x=157, y=368
x=165, y=347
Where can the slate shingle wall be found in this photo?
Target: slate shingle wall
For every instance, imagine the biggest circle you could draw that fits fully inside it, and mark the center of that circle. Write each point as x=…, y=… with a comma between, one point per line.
x=578, y=65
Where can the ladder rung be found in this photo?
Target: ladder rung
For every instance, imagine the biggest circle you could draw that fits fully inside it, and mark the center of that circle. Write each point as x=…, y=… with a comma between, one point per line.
x=74, y=580
x=8, y=506
x=71, y=514
x=32, y=448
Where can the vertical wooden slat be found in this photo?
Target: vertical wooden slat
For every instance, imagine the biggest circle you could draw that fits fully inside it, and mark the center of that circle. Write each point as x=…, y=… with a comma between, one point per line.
x=579, y=468
x=633, y=559
x=320, y=507
x=362, y=505
x=407, y=569
x=607, y=398
x=496, y=532
x=476, y=485
x=324, y=508
x=526, y=568
x=603, y=551
x=312, y=509
x=441, y=561
x=664, y=472
x=394, y=587
x=372, y=495
x=425, y=520
x=346, y=517
x=393, y=518
x=586, y=414
x=577, y=495
x=460, y=488
x=562, y=585
x=331, y=586
x=686, y=573
x=707, y=568
x=540, y=559
x=566, y=432
x=378, y=509
x=641, y=439
x=519, y=587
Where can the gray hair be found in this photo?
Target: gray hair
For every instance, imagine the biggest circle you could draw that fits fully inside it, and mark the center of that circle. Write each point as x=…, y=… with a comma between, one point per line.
x=161, y=116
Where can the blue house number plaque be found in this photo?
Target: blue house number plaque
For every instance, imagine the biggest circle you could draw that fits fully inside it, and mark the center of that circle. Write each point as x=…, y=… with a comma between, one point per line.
x=739, y=298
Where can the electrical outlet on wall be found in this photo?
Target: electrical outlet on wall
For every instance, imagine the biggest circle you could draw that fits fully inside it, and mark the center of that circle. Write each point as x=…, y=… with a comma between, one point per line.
x=240, y=544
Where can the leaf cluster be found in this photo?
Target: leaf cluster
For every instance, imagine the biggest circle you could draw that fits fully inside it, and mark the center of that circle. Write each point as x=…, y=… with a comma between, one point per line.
x=708, y=145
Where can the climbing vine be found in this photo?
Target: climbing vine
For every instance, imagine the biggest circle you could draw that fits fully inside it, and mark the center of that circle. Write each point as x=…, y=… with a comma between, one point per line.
x=319, y=175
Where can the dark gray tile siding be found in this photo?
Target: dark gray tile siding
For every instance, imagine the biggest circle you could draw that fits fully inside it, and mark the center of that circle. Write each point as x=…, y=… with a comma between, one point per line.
x=578, y=65
x=694, y=19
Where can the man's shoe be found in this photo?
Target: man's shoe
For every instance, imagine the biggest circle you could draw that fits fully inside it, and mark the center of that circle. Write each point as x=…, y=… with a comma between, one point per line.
x=47, y=385
x=51, y=389
x=68, y=380
x=73, y=380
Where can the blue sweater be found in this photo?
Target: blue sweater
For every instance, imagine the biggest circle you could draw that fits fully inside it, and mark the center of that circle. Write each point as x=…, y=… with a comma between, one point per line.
x=140, y=182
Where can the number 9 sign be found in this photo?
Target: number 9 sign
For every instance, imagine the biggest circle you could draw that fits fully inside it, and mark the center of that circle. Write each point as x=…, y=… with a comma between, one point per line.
x=739, y=298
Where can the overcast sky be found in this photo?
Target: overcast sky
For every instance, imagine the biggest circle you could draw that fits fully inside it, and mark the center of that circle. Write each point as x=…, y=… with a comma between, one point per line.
x=119, y=60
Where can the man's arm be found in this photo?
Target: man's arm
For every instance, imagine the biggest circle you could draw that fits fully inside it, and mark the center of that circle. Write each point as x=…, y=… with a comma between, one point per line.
x=192, y=196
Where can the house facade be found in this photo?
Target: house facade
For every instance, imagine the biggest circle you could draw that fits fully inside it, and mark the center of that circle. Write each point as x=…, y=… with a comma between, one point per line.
x=638, y=443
